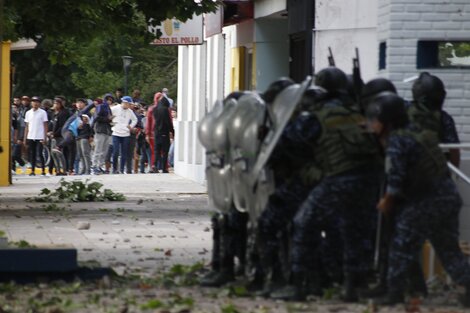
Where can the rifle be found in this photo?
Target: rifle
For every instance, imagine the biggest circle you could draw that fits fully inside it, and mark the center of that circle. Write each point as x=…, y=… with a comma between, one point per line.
x=357, y=79
x=331, y=59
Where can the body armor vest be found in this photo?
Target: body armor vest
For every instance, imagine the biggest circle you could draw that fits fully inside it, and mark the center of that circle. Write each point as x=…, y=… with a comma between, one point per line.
x=431, y=167
x=344, y=144
x=425, y=118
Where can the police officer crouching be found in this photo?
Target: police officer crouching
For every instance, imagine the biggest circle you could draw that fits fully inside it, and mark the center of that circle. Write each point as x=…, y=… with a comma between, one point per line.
x=421, y=194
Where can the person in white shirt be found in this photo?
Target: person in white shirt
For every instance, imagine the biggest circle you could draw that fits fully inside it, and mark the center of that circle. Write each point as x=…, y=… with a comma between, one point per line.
x=35, y=134
x=124, y=120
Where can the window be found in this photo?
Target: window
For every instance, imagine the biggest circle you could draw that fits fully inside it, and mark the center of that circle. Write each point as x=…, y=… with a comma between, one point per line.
x=443, y=54
x=382, y=55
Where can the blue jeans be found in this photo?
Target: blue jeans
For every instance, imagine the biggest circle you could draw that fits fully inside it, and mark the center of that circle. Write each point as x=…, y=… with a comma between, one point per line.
x=145, y=156
x=120, y=144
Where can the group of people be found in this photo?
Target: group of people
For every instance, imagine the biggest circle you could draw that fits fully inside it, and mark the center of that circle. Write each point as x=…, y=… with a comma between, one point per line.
x=110, y=134
x=354, y=184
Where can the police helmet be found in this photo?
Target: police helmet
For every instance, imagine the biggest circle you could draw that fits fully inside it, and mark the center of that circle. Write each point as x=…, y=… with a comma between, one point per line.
x=389, y=109
x=310, y=97
x=429, y=90
x=331, y=79
x=275, y=89
x=235, y=95
x=376, y=86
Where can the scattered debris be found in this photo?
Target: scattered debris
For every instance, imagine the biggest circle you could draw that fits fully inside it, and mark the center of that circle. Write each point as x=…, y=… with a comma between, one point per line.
x=204, y=251
x=52, y=207
x=83, y=225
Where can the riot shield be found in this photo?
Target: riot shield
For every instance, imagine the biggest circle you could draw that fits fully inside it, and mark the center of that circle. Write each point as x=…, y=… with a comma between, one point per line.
x=206, y=126
x=243, y=136
x=264, y=189
x=213, y=136
x=282, y=109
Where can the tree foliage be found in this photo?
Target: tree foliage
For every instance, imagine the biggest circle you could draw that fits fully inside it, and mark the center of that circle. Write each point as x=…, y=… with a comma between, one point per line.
x=80, y=44
x=85, y=19
x=96, y=68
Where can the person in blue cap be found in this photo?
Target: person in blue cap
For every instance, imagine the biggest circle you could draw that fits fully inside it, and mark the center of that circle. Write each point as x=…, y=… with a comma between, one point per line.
x=124, y=120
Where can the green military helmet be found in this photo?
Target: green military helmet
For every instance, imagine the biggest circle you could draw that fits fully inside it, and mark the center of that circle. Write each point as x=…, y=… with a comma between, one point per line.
x=429, y=90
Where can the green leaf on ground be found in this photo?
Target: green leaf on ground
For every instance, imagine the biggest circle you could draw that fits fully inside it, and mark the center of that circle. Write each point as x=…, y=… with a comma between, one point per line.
x=22, y=244
x=229, y=308
x=152, y=304
x=77, y=191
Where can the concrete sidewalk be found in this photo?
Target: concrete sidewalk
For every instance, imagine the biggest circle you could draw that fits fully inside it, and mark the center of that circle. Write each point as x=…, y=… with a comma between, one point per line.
x=132, y=185
x=164, y=221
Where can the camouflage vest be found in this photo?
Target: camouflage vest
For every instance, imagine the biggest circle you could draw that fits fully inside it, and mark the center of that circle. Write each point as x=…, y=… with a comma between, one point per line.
x=432, y=165
x=425, y=118
x=343, y=145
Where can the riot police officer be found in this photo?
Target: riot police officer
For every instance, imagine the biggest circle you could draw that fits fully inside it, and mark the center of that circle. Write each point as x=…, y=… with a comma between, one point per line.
x=295, y=174
x=228, y=224
x=348, y=157
x=416, y=281
x=420, y=192
x=426, y=111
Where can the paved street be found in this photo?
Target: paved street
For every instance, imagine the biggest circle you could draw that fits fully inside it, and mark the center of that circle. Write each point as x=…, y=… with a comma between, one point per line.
x=163, y=214
x=163, y=222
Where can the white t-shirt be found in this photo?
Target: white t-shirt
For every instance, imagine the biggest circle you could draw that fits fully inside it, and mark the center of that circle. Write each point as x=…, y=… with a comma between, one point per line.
x=121, y=119
x=35, y=120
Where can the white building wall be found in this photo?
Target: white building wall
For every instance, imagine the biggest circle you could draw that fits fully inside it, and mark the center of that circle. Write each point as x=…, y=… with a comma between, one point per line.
x=343, y=26
x=401, y=24
x=200, y=83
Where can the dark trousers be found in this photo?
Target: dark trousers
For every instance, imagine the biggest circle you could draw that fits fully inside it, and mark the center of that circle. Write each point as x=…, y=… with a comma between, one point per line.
x=120, y=147
x=35, y=151
x=51, y=162
x=145, y=156
x=434, y=216
x=69, y=149
x=162, y=146
x=130, y=157
x=16, y=156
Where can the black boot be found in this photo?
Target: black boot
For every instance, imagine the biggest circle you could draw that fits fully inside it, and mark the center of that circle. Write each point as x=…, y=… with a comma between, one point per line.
x=465, y=298
x=240, y=242
x=217, y=279
x=256, y=281
x=377, y=291
x=266, y=286
x=226, y=256
x=315, y=284
x=417, y=284
x=293, y=292
x=390, y=298
x=353, y=282
x=223, y=275
x=208, y=279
